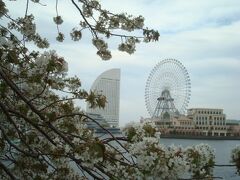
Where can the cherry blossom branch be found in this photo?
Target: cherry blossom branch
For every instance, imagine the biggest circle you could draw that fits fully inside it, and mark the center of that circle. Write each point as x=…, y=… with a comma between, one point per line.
x=55, y=102
x=86, y=169
x=115, y=15
x=87, y=117
x=39, y=94
x=81, y=13
x=7, y=171
x=20, y=134
x=33, y=124
x=32, y=107
x=31, y=154
x=107, y=140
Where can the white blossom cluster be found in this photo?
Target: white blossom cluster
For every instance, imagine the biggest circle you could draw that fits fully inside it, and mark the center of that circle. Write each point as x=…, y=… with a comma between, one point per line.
x=75, y=34
x=102, y=46
x=49, y=66
x=201, y=159
x=236, y=153
x=129, y=46
x=164, y=162
x=60, y=37
x=157, y=161
x=46, y=58
x=58, y=20
x=153, y=159
x=4, y=42
x=137, y=131
x=235, y=157
x=26, y=25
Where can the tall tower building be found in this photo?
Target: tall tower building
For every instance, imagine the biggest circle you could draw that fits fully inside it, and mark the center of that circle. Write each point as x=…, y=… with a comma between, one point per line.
x=108, y=84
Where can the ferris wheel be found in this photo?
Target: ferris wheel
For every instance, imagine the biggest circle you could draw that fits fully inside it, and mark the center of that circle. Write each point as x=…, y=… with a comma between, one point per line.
x=167, y=89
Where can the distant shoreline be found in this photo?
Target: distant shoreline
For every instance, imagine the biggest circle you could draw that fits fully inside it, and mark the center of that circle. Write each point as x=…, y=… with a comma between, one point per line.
x=173, y=136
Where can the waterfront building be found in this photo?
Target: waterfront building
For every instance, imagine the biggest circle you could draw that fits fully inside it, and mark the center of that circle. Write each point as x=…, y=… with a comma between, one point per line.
x=183, y=122
x=100, y=126
x=211, y=122
x=108, y=84
x=199, y=122
x=233, y=127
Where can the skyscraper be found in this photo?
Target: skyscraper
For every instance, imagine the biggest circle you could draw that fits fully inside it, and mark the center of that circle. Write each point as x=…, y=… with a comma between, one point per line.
x=108, y=84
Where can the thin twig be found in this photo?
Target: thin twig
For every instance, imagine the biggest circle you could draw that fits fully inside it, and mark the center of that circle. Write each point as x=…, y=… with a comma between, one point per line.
x=89, y=25
x=224, y=165
x=26, y=12
x=56, y=7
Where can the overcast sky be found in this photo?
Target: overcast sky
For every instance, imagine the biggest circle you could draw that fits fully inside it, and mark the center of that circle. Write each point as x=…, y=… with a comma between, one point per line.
x=204, y=35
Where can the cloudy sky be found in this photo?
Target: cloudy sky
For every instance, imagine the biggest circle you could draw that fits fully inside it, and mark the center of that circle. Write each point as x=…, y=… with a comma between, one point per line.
x=204, y=35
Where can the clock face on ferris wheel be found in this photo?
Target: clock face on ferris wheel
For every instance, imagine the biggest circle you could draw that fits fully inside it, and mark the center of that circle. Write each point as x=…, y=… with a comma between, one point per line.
x=170, y=75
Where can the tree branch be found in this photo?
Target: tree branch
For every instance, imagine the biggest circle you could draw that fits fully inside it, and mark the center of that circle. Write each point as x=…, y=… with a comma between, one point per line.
x=33, y=124
x=20, y=134
x=7, y=171
x=31, y=106
x=17, y=148
x=81, y=13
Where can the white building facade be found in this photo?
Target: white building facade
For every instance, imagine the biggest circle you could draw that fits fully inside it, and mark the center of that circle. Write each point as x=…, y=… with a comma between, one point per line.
x=199, y=122
x=108, y=84
x=210, y=121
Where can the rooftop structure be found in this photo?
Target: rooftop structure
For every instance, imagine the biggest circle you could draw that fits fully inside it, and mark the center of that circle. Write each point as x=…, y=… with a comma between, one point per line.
x=108, y=84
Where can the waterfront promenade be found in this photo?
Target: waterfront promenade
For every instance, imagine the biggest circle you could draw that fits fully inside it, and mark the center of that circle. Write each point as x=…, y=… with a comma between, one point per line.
x=177, y=136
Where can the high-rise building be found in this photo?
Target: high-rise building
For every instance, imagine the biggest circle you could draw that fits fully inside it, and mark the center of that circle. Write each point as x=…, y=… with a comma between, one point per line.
x=108, y=84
